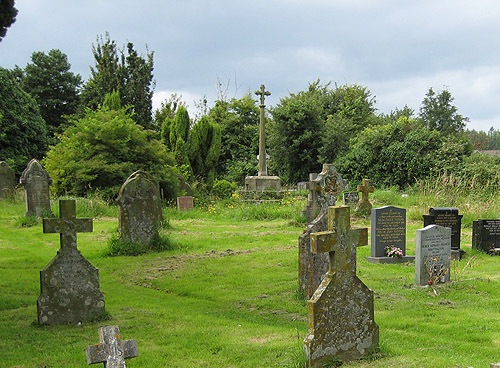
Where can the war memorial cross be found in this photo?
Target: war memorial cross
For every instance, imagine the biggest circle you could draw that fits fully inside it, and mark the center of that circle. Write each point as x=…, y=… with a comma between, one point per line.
x=262, y=132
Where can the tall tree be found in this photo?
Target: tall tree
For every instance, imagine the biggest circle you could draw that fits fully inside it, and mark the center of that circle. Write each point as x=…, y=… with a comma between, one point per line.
x=55, y=88
x=438, y=112
x=23, y=133
x=128, y=73
x=8, y=14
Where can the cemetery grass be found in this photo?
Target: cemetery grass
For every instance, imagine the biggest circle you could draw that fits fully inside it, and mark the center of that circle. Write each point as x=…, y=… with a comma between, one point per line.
x=226, y=296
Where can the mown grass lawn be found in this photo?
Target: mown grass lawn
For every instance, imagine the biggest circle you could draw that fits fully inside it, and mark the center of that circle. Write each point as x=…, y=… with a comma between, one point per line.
x=227, y=297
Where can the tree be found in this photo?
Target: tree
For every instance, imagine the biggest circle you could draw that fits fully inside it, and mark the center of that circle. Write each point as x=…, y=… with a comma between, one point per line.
x=23, y=133
x=204, y=150
x=239, y=122
x=99, y=151
x=438, y=112
x=55, y=88
x=130, y=74
x=7, y=16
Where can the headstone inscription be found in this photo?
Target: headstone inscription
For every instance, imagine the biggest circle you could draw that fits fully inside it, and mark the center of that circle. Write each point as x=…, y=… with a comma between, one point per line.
x=185, y=203
x=447, y=217
x=350, y=198
x=388, y=235
x=7, y=181
x=486, y=236
x=433, y=254
x=312, y=267
x=69, y=283
x=111, y=350
x=36, y=183
x=140, y=212
x=340, y=314
x=364, y=206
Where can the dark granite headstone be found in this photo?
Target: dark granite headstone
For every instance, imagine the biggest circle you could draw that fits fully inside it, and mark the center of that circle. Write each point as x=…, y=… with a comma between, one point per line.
x=140, y=211
x=433, y=254
x=111, y=350
x=7, y=181
x=36, y=183
x=388, y=229
x=69, y=284
x=340, y=314
x=447, y=217
x=486, y=235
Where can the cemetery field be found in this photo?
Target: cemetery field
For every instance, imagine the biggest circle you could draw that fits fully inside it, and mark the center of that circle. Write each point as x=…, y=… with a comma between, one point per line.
x=226, y=296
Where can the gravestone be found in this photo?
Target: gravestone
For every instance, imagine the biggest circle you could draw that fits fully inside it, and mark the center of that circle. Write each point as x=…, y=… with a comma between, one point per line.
x=364, y=206
x=340, y=314
x=312, y=208
x=433, y=254
x=350, y=198
x=185, y=203
x=69, y=283
x=111, y=350
x=312, y=267
x=262, y=181
x=36, y=183
x=486, y=236
x=388, y=229
x=7, y=181
x=447, y=217
x=140, y=211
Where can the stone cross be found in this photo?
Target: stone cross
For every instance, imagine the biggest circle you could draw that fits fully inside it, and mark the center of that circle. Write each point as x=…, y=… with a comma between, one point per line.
x=364, y=206
x=111, y=350
x=67, y=225
x=340, y=313
x=262, y=132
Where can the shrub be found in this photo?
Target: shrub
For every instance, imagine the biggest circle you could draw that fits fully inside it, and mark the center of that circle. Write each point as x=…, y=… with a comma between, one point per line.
x=223, y=188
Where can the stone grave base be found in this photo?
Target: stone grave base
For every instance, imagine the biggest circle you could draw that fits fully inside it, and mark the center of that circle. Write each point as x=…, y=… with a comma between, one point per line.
x=261, y=183
x=391, y=260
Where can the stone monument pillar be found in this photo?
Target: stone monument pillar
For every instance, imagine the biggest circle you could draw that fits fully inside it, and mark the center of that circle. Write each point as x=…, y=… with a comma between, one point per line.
x=262, y=181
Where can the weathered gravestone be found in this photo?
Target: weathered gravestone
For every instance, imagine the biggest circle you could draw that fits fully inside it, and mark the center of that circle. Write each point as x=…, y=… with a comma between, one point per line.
x=36, y=183
x=350, y=198
x=111, y=350
x=486, y=236
x=312, y=208
x=388, y=232
x=312, y=267
x=7, y=181
x=185, y=203
x=433, y=254
x=364, y=206
x=447, y=217
x=340, y=314
x=140, y=211
x=69, y=283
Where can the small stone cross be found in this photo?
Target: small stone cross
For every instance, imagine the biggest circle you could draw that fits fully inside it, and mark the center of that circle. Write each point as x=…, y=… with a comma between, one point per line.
x=112, y=350
x=67, y=225
x=365, y=188
x=262, y=93
x=340, y=241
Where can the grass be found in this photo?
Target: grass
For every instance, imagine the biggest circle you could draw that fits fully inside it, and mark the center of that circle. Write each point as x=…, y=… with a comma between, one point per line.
x=227, y=295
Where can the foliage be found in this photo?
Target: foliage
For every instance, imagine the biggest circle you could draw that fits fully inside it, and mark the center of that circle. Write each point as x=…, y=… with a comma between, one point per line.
x=223, y=188
x=23, y=132
x=438, y=112
x=394, y=154
x=120, y=247
x=239, y=122
x=479, y=140
x=101, y=150
x=130, y=74
x=204, y=150
x=55, y=88
x=7, y=16
x=167, y=110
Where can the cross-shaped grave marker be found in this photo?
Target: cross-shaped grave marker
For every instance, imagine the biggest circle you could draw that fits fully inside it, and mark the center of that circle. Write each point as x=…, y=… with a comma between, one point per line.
x=365, y=188
x=262, y=131
x=69, y=284
x=111, y=350
x=340, y=313
x=67, y=225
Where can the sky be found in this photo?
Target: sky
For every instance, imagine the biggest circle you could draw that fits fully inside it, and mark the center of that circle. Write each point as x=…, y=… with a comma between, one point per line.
x=227, y=48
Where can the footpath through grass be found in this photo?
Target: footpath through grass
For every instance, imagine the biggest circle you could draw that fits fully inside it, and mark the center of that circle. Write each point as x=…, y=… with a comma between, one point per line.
x=227, y=296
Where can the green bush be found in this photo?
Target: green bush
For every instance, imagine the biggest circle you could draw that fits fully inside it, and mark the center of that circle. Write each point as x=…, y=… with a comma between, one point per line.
x=223, y=188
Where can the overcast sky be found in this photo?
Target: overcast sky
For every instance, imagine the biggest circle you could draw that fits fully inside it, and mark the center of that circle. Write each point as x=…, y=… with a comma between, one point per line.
x=397, y=49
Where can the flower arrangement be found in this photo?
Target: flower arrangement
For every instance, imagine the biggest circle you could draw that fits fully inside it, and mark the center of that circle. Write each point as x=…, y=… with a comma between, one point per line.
x=394, y=252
